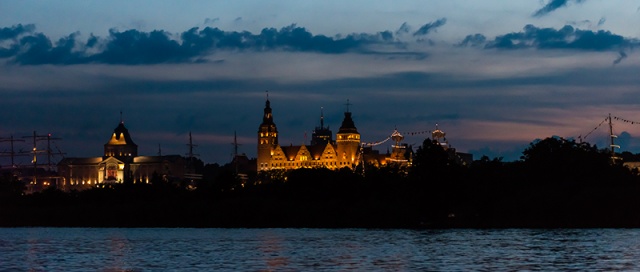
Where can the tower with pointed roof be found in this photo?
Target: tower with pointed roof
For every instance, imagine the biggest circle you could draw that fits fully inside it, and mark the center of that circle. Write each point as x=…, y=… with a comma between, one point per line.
x=321, y=153
x=120, y=145
x=347, y=141
x=267, y=138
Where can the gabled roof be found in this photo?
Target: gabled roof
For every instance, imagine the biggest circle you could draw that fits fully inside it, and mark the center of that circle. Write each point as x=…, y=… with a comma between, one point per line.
x=114, y=159
x=290, y=152
x=278, y=151
x=317, y=151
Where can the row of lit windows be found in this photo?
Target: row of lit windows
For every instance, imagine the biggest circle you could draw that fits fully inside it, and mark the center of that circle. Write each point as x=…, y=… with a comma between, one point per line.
x=301, y=158
x=298, y=164
x=87, y=182
x=267, y=134
x=120, y=154
x=94, y=182
x=349, y=137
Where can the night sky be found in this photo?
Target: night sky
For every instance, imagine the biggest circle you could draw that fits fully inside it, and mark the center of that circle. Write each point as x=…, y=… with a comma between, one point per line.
x=494, y=75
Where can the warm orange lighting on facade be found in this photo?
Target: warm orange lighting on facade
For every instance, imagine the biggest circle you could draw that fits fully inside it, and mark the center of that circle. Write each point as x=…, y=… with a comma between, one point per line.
x=271, y=154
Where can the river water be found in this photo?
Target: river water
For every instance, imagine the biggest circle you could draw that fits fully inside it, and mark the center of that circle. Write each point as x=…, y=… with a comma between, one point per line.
x=184, y=249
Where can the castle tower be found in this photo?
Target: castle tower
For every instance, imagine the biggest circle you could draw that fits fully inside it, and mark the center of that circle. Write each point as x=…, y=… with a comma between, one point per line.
x=321, y=135
x=267, y=138
x=120, y=145
x=348, y=141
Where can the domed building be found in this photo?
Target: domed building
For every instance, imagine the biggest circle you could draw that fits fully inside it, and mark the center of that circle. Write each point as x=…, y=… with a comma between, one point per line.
x=120, y=144
x=119, y=164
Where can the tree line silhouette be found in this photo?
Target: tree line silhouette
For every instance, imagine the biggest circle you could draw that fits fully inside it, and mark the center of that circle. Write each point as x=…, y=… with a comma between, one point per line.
x=557, y=183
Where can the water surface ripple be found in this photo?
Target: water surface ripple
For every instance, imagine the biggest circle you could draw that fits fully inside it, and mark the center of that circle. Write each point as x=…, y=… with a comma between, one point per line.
x=177, y=249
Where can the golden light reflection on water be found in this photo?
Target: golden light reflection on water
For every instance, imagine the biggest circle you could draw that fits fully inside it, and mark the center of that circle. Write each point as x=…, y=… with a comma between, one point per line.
x=119, y=248
x=271, y=247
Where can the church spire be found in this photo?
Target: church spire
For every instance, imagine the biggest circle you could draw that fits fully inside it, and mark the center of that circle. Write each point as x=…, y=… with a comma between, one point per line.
x=267, y=119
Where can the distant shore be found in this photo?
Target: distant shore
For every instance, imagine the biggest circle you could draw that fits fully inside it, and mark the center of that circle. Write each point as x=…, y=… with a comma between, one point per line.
x=558, y=184
x=373, y=209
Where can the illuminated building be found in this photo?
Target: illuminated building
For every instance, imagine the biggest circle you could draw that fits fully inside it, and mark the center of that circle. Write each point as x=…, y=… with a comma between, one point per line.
x=119, y=164
x=323, y=152
x=401, y=154
x=345, y=151
x=120, y=145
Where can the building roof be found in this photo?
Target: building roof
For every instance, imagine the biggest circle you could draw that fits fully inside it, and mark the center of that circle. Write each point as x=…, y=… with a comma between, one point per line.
x=157, y=159
x=121, y=136
x=316, y=150
x=80, y=161
x=267, y=119
x=347, y=124
x=291, y=151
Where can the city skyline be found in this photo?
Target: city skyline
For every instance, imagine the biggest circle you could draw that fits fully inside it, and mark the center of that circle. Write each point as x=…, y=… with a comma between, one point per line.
x=493, y=75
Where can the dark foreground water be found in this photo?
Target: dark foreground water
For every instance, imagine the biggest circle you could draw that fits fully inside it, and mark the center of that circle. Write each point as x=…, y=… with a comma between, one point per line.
x=98, y=249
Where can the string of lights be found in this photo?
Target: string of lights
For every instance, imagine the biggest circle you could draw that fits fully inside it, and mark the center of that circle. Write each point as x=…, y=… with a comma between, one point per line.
x=377, y=143
x=418, y=132
x=594, y=129
x=607, y=119
x=389, y=137
x=625, y=120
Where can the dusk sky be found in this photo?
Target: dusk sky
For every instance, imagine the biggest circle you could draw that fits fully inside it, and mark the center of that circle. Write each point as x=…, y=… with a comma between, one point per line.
x=494, y=75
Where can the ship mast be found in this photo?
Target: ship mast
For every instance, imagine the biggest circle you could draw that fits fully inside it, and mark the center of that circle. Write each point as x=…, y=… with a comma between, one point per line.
x=11, y=153
x=612, y=145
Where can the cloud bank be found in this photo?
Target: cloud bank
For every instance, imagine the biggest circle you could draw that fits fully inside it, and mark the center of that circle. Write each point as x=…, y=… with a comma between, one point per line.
x=131, y=47
x=22, y=45
x=566, y=37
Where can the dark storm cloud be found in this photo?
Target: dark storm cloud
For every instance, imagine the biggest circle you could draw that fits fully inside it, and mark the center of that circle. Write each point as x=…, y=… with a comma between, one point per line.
x=15, y=31
x=553, y=5
x=138, y=47
x=564, y=38
x=12, y=34
x=38, y=49
x=425, y=29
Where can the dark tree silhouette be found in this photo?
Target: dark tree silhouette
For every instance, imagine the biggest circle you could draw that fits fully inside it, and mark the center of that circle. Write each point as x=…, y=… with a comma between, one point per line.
x=430, y=161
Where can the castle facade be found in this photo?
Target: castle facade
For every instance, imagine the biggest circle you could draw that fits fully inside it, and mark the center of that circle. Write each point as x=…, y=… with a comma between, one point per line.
x=323, y=152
